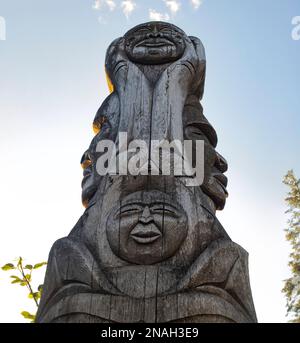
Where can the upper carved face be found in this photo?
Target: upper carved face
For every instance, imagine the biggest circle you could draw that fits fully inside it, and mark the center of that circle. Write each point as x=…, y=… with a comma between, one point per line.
x=148, y=227
x=154, y=43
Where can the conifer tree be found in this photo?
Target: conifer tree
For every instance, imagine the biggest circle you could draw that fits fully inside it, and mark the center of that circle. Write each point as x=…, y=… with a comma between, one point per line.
x=292, y=285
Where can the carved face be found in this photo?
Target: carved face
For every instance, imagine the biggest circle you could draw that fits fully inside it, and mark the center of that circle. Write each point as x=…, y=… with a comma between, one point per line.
x=145, y=230
x=154, y=43
x=89, y=185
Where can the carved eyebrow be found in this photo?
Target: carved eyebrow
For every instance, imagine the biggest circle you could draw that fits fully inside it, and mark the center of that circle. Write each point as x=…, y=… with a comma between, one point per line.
x=135, y=203
x=126, y=209
x=167, y=27
x=170, y=28
x=165, y=205
x=150, y=204
x=145, y=28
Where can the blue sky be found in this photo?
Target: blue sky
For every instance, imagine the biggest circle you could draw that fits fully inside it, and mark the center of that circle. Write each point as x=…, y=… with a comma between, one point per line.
x=52, y=82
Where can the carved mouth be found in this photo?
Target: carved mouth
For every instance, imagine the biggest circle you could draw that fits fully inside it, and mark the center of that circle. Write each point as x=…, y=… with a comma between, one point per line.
x=222, y=181
x=150, y=43
x=145, y=234
x=155, y=45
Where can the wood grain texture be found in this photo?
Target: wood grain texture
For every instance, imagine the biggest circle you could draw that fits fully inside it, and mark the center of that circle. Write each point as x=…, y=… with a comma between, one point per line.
x=149, y=248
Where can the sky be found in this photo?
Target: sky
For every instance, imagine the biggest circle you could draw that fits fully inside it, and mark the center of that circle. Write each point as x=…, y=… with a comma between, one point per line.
x=52, y=82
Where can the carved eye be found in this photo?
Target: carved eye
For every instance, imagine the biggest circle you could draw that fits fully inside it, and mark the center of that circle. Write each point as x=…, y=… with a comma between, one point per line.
x=157, y=210
x=194, y=132
x=166, y=31
x=142, y=31
x=164, y=209
x=130, y=210
x=197, y=132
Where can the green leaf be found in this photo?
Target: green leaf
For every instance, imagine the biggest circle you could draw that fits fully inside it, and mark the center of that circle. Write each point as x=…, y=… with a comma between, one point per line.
x=35, y=295
x=28, y=315
x=16, y=279
x=40, y=288
x=23, y=283
x=28, y=266
x=20, y=261
x=39, y=265
x=8, y=266
x=28, y=277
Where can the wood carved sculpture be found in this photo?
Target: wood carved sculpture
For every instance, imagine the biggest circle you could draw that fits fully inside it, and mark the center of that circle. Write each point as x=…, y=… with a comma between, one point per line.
x=149, y=248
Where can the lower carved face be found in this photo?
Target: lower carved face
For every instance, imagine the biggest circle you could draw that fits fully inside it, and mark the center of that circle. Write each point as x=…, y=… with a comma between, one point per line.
x=147, y=228
x=154, y=43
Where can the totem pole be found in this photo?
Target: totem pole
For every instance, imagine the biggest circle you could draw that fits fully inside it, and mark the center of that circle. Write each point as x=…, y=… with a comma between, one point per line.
x=149, y=247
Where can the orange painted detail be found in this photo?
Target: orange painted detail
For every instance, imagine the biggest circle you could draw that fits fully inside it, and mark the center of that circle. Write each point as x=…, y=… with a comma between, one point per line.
x=85, y=203
x=96, y=128
x=97, y=124
x=86, y=163
x=109, y=83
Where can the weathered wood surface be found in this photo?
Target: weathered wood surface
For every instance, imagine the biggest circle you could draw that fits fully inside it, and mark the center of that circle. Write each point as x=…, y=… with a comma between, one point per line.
x=149, y=248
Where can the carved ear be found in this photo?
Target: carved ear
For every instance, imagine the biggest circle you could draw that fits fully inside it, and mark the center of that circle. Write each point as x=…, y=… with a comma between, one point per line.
x=200, y=51
x=111, y=55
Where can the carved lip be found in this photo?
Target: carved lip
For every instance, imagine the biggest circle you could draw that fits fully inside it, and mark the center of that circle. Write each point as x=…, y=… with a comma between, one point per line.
x=150, y=43
x=155, y=45
x=145, y=234
x=221, y=180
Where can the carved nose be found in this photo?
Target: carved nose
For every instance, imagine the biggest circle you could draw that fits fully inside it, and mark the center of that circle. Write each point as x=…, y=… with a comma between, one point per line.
x=146, y=216
x=154, y=34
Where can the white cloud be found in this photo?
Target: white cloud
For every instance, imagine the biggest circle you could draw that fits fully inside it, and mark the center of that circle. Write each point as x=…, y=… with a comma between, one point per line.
x=128, y=7
x=154, y=15
x=111, y=4
x=98, y=4
x=196, y=3
x=173, y=5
